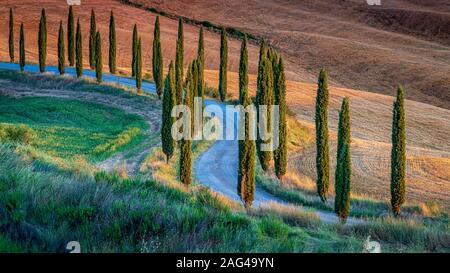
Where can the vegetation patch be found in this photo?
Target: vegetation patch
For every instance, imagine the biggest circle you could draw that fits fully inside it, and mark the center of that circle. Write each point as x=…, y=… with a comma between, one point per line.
x=65, y=128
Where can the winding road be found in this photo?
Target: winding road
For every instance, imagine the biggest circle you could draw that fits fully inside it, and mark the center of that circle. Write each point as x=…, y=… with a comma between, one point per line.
x=216, y=167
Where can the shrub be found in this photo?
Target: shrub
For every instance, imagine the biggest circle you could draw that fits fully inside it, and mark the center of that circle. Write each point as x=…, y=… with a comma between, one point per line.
x=18, y=134
x=211, y=92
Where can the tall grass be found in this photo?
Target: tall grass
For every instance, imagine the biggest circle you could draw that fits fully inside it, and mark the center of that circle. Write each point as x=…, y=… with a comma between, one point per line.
x=66, y=128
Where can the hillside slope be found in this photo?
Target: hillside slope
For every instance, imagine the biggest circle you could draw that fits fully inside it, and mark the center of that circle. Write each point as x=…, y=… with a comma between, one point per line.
x=28, y=12
x=363, y=47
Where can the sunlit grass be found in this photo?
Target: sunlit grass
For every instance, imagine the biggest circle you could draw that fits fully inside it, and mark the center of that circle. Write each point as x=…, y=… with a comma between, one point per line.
x=66, y=128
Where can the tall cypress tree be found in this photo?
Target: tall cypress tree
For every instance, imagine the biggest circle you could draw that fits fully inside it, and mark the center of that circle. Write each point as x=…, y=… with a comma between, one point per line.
x=280, y=155
x=321, y=118
x=179, y=74
x=71, y=37
x=79, y=51
x=398, y=153
x=11, y=35
x=200, y=89
x=61, y=55
x=112, y=44
x=265, y=97
x=262, y=57
x=42, y=41
x=157, y=59
x=139, y=65
x=185, y=163
x=223, y=65
x=98, y=56
x=191, y=86
x=22, y=48
x=169, y=101
x=247, y=149
x=92, y=39
x=343, y=164
x=201, y=67
x=134, y=51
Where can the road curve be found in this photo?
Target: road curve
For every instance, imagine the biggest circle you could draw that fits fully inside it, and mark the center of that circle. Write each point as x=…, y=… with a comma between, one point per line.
x=215, y=168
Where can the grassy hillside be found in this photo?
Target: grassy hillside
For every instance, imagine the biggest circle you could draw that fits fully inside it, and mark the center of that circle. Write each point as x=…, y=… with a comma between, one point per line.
x=61, y=123
x=44, y=209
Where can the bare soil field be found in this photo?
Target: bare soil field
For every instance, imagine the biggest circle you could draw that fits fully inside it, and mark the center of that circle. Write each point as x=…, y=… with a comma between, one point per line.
x=363, y=47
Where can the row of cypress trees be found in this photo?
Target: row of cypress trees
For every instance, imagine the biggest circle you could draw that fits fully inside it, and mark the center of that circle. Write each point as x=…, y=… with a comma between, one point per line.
x=343, y=159
x=271, y=89
x=176, y=91
x=21, y=41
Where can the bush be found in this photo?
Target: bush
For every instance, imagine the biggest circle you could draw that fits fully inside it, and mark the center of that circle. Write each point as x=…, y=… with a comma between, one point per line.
x=211, y=92
x=208, y=24
x=17, y=133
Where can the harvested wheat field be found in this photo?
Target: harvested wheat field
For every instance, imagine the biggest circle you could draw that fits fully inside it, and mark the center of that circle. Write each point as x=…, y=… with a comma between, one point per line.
x=28, y=12
x=363, y=47
x=428, y=142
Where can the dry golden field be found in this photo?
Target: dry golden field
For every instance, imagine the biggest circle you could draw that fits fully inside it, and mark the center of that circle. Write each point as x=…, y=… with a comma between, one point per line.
x=428, y=142
x=363, y=47
x=28, y=12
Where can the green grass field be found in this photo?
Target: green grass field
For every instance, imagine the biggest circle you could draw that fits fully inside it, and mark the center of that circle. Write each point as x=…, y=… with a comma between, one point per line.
x=66, y=127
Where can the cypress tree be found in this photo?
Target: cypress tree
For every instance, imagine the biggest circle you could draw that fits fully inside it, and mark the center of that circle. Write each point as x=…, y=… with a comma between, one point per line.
x=169, y=101
x=262, y=57
x=343, y=164
x=139, y=65
x=79, y=51
x=92, y=39
x=42, y=41
x=191, y=86
x=321, y=118
x=179, y=74
x=201, y=67
x=112, y=44
x=200, y=88
x=265, y=97
x=61, y=55
x=134, y=51
x=71, y=37
x=98, y=56
x=398, y=153
x=247, y=149
x=194, y=66
x=11, y=35
x=223, y=65
x=22, y=48
x=280, y=154
x=157, y=59
x=185, y=163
